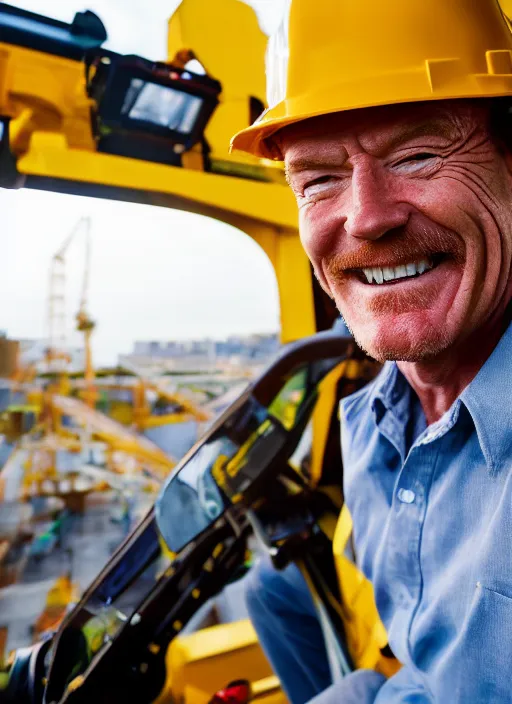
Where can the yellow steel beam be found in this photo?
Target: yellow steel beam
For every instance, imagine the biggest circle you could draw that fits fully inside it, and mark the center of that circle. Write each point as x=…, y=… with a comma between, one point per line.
x=50, y=156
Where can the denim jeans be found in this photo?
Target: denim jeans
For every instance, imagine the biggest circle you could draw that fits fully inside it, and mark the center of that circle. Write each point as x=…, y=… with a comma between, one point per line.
x=284, y=617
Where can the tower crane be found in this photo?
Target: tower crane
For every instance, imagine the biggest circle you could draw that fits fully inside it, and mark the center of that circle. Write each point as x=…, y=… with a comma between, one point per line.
x=57, y=353
x=85, y=324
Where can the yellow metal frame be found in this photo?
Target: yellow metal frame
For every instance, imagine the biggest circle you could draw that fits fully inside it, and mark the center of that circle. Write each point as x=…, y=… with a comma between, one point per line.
x=51, y=137
x=267, y=212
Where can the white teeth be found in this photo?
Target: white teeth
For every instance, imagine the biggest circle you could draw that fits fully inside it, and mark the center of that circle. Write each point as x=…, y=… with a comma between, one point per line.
x=378, y=275
x=388, y=273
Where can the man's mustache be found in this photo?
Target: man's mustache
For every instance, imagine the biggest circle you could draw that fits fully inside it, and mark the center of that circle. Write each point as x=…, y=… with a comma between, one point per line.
x=411, y=243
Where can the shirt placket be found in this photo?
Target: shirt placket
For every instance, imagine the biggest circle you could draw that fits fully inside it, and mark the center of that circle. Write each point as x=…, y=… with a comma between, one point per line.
x=408, y=512
x=410, y=504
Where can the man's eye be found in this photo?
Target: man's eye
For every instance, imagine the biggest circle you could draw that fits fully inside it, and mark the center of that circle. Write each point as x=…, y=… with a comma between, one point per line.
x=422, y=156
x=317, y=186
x=415, y=162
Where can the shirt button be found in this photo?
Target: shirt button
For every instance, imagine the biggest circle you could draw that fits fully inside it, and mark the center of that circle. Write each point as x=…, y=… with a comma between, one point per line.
x=406, y=496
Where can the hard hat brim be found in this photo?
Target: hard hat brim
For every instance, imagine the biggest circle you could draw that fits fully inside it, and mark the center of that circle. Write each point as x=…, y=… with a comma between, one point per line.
x=434, y=81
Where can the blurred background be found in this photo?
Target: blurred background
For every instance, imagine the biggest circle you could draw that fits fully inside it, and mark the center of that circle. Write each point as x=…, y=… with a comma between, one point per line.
x=125, y=329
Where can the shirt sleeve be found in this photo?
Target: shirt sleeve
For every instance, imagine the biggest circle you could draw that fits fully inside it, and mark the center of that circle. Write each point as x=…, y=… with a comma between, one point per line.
x=405, y=688
x=360, y=687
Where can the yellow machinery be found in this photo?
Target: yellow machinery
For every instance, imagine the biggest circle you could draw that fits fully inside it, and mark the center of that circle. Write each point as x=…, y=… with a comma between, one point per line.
x=44, y=98
x=59, y=134
x=181, y=408
x=124, y=450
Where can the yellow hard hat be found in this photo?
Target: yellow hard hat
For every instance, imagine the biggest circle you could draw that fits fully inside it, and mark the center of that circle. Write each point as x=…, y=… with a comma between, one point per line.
x=334, y=55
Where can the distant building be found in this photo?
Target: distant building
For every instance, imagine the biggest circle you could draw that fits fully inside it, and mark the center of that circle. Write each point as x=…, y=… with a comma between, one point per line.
x=141, y=349
x=237, y=349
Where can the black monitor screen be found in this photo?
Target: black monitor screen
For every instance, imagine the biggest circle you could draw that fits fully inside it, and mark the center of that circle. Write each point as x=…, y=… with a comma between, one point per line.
x=161, y=105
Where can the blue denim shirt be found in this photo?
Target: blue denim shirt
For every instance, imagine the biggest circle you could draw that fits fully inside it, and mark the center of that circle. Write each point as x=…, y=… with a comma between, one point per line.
x=433, y=531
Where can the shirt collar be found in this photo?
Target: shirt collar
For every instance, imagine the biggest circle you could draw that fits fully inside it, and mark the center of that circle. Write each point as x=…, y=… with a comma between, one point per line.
x=489, y=401
x=390, y=392
x=390, y=403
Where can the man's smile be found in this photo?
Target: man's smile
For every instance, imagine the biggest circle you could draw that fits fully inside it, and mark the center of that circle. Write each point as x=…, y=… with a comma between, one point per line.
x=393, y=273
x=425, y=286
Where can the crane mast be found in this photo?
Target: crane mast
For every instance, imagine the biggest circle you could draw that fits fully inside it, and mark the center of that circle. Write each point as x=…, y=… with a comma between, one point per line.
x=85, y=324
x=58, y=356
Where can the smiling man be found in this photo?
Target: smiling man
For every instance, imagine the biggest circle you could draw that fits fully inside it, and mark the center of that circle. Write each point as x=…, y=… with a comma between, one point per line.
x=406, y=215
x=394, y=123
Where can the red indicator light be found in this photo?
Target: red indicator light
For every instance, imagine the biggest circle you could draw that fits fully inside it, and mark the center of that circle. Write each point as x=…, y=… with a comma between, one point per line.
x=237, y=692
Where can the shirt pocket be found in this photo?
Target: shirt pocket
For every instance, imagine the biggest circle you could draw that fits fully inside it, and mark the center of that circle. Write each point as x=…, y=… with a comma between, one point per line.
x=478, y=668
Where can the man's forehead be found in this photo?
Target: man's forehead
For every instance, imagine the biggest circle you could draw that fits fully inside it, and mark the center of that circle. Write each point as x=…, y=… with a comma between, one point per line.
x=379, y=127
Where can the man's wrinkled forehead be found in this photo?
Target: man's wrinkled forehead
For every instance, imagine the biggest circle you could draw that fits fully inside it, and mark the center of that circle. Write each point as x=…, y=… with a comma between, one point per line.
x=379, y=129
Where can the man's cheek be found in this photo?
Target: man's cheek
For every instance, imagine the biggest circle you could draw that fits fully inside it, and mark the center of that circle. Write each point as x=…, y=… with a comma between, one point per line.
x=307, y=237
x=320, y=256
x=318, y=231
x=310, y=245
x=324, y=282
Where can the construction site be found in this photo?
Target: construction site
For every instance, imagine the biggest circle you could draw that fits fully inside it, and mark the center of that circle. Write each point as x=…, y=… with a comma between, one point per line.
x=79, y=465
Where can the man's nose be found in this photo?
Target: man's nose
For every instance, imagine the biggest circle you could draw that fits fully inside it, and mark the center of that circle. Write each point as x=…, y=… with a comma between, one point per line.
x=374, y=207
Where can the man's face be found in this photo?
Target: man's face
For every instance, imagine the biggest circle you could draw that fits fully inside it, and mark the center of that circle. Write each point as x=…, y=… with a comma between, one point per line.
x=406, y=216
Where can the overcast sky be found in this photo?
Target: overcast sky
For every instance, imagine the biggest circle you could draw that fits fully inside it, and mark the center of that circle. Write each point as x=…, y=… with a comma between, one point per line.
x=137, y=26
x=156, y=274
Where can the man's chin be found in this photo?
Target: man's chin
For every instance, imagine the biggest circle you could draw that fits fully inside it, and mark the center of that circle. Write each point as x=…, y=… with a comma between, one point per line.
x=401, y=346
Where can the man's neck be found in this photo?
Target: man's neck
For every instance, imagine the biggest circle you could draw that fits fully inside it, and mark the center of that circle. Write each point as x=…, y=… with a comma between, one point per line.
x=438, y=382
